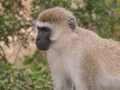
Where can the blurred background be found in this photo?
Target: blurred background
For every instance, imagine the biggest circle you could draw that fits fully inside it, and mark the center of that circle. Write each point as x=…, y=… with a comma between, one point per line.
x=22, y=66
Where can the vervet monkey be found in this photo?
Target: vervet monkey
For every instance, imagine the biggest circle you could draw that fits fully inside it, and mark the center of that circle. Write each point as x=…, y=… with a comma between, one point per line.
x=79, y=59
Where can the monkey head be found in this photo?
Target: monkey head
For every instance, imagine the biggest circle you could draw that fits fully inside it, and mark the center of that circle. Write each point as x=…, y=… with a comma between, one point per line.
x=50, y=24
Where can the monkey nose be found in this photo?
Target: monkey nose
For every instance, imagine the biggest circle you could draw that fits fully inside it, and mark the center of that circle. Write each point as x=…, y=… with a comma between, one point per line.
x=38, y=38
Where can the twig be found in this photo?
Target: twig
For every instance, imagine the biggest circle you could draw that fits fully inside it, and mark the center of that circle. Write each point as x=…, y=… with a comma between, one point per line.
x=3, y=54
x=17, y=55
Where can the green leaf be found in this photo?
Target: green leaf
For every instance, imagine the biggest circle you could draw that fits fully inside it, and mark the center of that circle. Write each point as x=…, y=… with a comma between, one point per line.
x=29, y=70
x=43, y=69
x=39, y=86
x=12, y=78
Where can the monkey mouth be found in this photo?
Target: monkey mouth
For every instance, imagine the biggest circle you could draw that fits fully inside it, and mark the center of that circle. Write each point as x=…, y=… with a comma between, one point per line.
x=42, y=46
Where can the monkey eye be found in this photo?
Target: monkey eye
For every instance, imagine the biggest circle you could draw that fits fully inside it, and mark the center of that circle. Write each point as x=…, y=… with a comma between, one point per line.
x=46, y=29
x=38, y=27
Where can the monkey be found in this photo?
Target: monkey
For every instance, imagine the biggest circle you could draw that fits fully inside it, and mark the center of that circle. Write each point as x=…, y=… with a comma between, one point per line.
x=79, y=59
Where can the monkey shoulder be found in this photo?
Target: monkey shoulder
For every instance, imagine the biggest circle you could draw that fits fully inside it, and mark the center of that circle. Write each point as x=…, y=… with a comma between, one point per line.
x=86, y=33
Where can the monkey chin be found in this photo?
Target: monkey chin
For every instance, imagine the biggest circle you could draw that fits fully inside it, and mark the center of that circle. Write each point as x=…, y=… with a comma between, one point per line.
x=42, y=48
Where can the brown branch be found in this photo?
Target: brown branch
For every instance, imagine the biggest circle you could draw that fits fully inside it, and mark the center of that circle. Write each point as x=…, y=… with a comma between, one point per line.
x=17, y=55
x=3, y=54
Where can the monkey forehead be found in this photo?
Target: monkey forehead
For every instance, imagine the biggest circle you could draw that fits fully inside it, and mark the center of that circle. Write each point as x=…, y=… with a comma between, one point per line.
x=55, y=15
x=45, y=24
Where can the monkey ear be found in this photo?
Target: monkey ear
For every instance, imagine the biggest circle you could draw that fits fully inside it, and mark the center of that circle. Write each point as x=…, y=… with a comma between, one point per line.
x=72, y=23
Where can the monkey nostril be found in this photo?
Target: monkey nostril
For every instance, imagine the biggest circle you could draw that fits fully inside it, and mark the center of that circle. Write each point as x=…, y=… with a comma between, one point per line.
x=38, y=38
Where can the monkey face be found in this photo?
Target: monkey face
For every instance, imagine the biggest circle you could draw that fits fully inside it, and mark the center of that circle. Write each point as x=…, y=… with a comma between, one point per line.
x=53, y=26
x=42, y=40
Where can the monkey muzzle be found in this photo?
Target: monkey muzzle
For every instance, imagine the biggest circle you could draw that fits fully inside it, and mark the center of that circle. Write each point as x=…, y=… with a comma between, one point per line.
x=42, y=43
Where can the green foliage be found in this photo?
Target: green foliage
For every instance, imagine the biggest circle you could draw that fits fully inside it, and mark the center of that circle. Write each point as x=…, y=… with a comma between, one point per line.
x=24, y=79
x=11, y=20
x=37, y=59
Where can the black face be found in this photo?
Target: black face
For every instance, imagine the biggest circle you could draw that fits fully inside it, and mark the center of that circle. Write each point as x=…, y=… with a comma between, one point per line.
x=42, y=40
